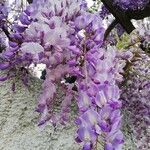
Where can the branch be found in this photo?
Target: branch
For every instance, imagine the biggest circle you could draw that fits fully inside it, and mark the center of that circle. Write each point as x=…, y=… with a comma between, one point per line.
x=6, y=32
x=111, y=26
x=120, y=16
x=29, y=1
x=124, y=17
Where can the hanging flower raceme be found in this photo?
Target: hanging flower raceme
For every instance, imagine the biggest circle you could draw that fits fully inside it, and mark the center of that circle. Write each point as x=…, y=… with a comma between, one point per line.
x=44, y=26
x=135, y=96
x=98, y=94
x=55, y=36
x=69, y=41
x=98, y=102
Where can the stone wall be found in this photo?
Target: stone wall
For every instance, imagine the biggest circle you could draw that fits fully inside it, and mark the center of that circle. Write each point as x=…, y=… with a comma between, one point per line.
x=18, y=122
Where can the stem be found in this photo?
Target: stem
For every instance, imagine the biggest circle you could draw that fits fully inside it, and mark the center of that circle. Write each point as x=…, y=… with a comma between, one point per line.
x=85, y=64
x=96, y=148
x=132, y=44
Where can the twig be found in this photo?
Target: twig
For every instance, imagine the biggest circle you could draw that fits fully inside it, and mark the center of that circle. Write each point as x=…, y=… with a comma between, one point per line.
x=111, y=26
x=6, y=32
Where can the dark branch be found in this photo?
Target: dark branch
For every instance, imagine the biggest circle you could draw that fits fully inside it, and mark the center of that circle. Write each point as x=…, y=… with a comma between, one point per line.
x=120, y=16
x=6, y=32
x=111, y=26
x=124, y=17
x=29, y=1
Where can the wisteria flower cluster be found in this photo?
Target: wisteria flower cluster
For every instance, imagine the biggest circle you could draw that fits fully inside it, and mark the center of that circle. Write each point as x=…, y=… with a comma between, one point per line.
x=98, y=103
x=135, y=98
x=69, y=41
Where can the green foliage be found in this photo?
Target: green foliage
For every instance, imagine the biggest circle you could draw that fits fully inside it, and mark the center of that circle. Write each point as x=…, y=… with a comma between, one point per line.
x=123, y=42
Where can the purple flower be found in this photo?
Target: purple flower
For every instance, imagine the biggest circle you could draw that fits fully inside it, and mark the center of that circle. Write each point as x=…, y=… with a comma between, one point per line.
x=120, y=30
x=19, y=28
x=105, y=127
x=104, y=12
x=4, y=78
x=83, y=101
x=86, y=134
x=13, y=44
x=68, y=40
x=100, y=99
x=24, y=19
x=108, y=146
x=4, y=66
x=8, y=54
x=87, y=146
x=115, y=140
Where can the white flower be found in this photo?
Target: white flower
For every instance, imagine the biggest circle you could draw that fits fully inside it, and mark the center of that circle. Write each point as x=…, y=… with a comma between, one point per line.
x=32, y=48
x=35, y=29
